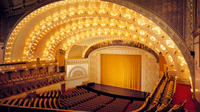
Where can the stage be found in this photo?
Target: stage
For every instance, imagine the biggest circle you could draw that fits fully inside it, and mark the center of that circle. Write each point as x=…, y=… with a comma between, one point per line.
x=117, y=91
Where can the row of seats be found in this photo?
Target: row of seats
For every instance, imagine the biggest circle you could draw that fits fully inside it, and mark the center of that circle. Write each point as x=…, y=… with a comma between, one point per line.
x=117, y=105
x=20, y=65
x=178, y=108
x=74, y=92
x=76, y=99
x=34, y=102
x=23, y=86
x=51, y=99
x=147, y=101
x=161, y=97
x=68, y=100
x=21, y=75
x=166, y=97
x=156, y=98
x=81, y=99
x=47, y=99
x=72, y=101
x=136, y=104
x=50, y=94
x=93, y=104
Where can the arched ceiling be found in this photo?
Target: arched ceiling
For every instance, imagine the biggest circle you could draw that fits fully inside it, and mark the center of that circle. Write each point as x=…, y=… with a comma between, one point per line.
x=62, y=24
x=84, y=48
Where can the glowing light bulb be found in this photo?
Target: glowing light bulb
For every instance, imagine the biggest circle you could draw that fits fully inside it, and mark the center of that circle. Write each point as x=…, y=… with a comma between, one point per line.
x=131, y=27
x=141, y=22
x=127, y=15
x=142, y=33
x=142, y=39
x=113, y=13
x=170, y=43
x=102, y=11
x=157, y=30
x=134, y=36
x=162, y=47
x=170, y=58
x=153, y=38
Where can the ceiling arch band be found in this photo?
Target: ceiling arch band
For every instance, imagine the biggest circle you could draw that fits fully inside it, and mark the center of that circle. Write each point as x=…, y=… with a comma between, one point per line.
x=118, y=43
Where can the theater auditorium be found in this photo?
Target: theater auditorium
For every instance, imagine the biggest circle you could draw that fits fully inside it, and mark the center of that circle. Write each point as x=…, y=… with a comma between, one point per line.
x=99, y=56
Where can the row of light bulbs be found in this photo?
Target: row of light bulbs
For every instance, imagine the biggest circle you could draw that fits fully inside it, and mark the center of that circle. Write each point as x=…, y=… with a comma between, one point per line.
x=63, y=13
x=92, y=4
x=100, y=14
x=99, y=32
x=56, y=37
x=142, y=39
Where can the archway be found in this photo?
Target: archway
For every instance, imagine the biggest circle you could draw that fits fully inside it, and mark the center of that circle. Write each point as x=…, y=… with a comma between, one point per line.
x=62, y=24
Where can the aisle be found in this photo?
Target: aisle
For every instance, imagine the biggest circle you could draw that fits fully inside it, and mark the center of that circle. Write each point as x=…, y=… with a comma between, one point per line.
x=183, y=92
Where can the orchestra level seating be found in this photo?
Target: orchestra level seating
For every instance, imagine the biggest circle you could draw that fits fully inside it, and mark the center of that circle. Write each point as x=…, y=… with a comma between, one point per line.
x=30, y=77
x=82, y=99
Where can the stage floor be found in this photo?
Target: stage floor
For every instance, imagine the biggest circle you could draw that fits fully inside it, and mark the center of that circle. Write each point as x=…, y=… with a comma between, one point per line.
x=118, y=92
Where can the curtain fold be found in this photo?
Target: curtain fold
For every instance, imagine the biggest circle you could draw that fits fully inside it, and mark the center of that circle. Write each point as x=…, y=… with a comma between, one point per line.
x=121, y=70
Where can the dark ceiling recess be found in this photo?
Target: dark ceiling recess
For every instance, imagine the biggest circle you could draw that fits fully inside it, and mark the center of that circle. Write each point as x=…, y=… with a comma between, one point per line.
x=12, y=11
x=15, y=7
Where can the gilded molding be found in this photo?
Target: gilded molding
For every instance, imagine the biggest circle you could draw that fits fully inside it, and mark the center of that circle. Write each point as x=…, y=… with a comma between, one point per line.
x=76, y=61
x=189, y=24
x=119, y=43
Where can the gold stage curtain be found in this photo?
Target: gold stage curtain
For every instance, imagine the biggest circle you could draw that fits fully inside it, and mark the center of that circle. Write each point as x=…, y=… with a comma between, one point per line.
x=121, y=70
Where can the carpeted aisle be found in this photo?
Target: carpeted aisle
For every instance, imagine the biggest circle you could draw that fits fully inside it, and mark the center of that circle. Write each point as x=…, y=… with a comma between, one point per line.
x=183, y=93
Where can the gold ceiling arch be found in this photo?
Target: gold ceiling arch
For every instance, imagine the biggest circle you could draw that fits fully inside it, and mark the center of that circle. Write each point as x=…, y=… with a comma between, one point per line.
x=111, y=34
x=129, y=43
x=64, y=23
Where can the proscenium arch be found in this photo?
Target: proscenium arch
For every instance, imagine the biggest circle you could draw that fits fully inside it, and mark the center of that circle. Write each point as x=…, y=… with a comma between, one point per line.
x=43, y=28
x=122, y=36
x=89, y=49
x=172, y=64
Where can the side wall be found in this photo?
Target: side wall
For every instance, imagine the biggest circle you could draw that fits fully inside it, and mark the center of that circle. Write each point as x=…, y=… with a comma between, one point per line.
x=150, y=68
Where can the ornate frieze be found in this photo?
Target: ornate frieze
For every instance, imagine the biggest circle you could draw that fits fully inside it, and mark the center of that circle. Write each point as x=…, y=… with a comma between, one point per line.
x=76, y=61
